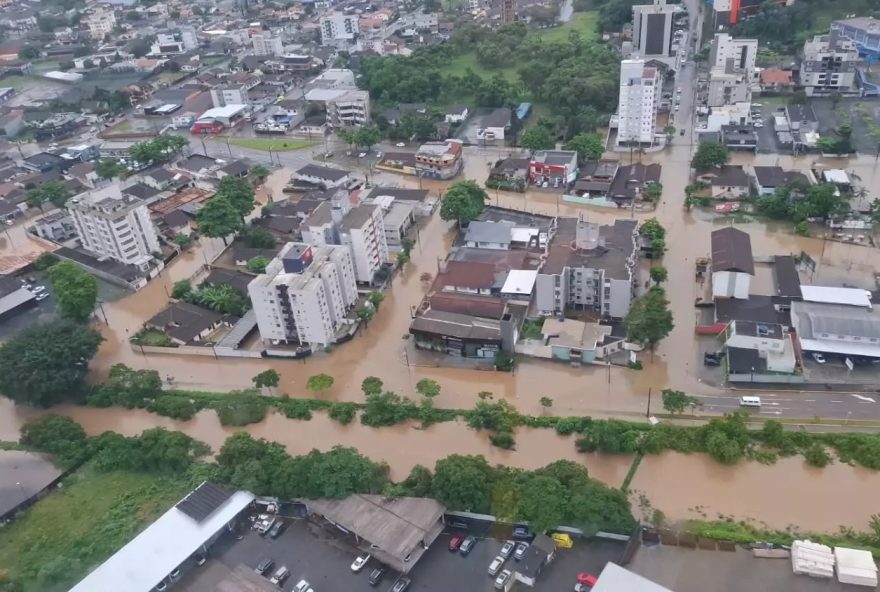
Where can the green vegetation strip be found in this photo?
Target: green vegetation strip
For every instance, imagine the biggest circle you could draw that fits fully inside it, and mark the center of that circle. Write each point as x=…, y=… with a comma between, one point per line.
x=631, y=473
x=271, y=144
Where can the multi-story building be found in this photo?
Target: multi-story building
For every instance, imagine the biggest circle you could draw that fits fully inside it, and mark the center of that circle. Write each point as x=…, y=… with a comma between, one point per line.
x=267, y=45
x=439, y=160
x=639, y=99
x=652, y=29
x=864, y=32
x=176, y=41
x=114, y=225
x=351, y=108
x=732, y=54
x=305, y=295
x=362, y=230
x=339, y=29
x=508, y=11
x=232, y=94
x=589, y=267
x=100, y=23
x=730, y=12
x=829, y=65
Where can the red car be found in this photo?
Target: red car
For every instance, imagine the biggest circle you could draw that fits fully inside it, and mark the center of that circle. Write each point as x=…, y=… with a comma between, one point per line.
x=455, y=542
x=587, y=580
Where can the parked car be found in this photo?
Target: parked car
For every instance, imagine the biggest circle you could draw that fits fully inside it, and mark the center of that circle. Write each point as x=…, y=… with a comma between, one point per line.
x=362, y=154
x=711, y=360
x=303, y=586
x=175, y=574
x=507, y=549
x=400, y=144
x=467, y=545
x=42, y=296
x=359, y=562
x=521, y=531
x=502, y=578
x=376, y=576
x=161, y=587
x=199, y=559
x=819, y=358
x=585, y=579
x=277, y=529
x=520, y=552
x=495, y=566
x=455, y=542
x=38, y=289
x=759, y=125
x=400, y=585
x=264, y=566
x=280, y=576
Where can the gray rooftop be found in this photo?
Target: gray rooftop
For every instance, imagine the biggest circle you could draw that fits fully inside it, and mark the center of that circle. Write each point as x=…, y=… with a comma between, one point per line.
x=816, y=319
x=488, y=232
x=322, y=172
x=556, y=157
x=358, y=216
x=32, y=471
x=615, y=248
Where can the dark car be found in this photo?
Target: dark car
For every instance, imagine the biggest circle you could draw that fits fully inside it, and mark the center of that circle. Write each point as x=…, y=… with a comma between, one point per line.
x=711, y=360
x=467, y=545
x=522, y=532
x=376, y=576
x=276, y=529
x=400, y=585
x=264, y=566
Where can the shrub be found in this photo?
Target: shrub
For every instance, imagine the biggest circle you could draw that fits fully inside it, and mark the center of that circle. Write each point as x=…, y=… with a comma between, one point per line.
x=343, y=412
x=174, y=407
x=45, y=261
x=570, y=425
x=503, y=440
x=297, y=409
x=242, y=409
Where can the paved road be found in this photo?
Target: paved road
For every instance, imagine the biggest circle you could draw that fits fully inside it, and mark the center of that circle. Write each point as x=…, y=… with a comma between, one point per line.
x=798, y=404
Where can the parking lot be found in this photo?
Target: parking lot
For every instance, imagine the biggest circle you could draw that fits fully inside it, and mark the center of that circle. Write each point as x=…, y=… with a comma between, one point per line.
x=835, y=370
x=324, y=559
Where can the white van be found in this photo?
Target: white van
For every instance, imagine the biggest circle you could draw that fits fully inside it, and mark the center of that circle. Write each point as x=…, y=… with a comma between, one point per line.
x=750, y=401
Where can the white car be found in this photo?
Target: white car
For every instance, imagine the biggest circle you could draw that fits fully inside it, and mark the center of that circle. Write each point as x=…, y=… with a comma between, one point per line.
x=507, y=549
x=400, y=144
x=819, y=358
x=302, y=586
x=359, y=563
x=362, y=154
x=757, y=104
x=502, y=578
x=678, y=90
x=759, y=125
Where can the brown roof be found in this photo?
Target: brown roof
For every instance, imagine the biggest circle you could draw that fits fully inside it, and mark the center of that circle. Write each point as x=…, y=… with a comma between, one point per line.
x=466, y=274
x=479, y=306
x=776, y=76
x=732, y=251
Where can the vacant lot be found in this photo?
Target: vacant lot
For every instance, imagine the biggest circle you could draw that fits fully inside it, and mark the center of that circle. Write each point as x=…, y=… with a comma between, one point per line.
x=274, y=144
x=59, y=539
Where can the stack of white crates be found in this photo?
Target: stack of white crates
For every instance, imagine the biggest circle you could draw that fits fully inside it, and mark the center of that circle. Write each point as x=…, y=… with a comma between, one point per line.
x=812, y=559
x=855, y=566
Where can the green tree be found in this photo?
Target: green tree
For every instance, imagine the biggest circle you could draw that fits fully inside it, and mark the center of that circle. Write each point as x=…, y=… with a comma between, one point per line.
x=365, y=313
x=28, y=52
x=654, y=233
x=653, y=190
x=182, y=240
x=669, y=130
x=546, y=403
x=159, y=149
x=259, y=173
x=45, y=261
x=649, y=319
x=543, y=502
x=371, y=386
x=417, y=484
x=268, y=378
x=659, y=274
x=463, y=483
x=76, y=291
x=55, y=434
x=181, y=290
x=428, y=388
x=257, y=238
x=222, y=298
x=710, y=155
x=536, y=138
x=257, y=264
x=463, y=202
x=335, y=474
x=504, y=362
x=47, y=364
x=588, y=146
x=367, y=136
x=678, y=402
x=238, y=192
x=319, y=383
x=218, y=219
x=375, y=298
x=384, y=409
x=875, y=211
x=53, y=192
x=109, y=168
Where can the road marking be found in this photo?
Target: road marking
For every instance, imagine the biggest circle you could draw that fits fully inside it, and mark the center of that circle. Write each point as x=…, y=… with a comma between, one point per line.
x=865, y=399
x=809, y=400
x=771, y=412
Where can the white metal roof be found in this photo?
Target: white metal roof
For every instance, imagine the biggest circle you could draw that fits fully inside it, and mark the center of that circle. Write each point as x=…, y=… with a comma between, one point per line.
x=227, y=111
x=832, y=295
x=836, y=176
x=160, y=548
x=520, y=281
x=617, y=579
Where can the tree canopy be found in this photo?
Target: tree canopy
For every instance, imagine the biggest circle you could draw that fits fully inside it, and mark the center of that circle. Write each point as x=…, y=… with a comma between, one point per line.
x=53, y=192
x=536, y=138
x=218, y=218
x=108, y=168
x=678, y=402
x=319, y=383
x=47, y=364
x=463, y=202
x=589, y=146
x=159, y=149
x=798, y=202
x=649, y=319
x=268, y=378
x=428, y=388
x=76, y=291
x=238, y=192
x=710, y=155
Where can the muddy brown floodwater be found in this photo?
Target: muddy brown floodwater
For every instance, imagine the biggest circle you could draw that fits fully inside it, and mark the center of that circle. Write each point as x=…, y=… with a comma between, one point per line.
x=674, y=483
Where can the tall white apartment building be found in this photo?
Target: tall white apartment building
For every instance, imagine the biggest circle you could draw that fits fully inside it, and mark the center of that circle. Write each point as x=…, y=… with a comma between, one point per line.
x=339, y=29
x=363, y=231
x=304, y=295
x=652, y=28
x=352, y=108
x=114, y=226
x=640, y=91
x=100, y=23
x=733, y=55
x=267, y=45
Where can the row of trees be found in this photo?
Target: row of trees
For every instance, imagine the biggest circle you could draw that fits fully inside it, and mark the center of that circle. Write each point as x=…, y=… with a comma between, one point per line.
x=159, y=149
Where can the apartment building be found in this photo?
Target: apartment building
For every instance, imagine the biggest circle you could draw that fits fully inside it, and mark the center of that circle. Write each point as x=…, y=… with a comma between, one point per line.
x=114, y=225
x=439, y=160
x=638, y=101
x=652, y=29
x=349, y=109
x=338, y=29
x=175, y=41
x=267, y=45
x=230, y=94
x=362, y=230
x=304, y=295
x=829, y=65
x=732, y=54
x=864, y=32
x=589, y=267
x=100, y=23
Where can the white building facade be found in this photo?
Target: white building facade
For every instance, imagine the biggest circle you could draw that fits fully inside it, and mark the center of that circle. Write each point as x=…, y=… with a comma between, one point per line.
x=363, y=231
x=639, y=99
x=115, y=226
x=304, y=295
x=652, y=28
x=267, y=45
x=338, y=29
x=829, y=65
x=100, y=23
x=229, y=95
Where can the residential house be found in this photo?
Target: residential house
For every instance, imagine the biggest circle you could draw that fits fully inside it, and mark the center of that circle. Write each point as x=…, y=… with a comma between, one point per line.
x=727, y=182
x=186, y=324
x=776, y=80
x=56, y=226
x=768, y=179
x=596, y=177
x=456, y=114
x=497, y=123
x=439, y=160
x=739, y=137
x=732, y=263
x=630, y=181
x=467, y=277
x=759, y=348
x=489, y=235
x=555, y=168
x=322, y=176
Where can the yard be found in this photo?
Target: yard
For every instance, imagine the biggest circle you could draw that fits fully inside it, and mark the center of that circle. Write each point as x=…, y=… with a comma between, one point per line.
x=59, y=539
x=273, y=144
x=20, y=83
x=584, y=23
